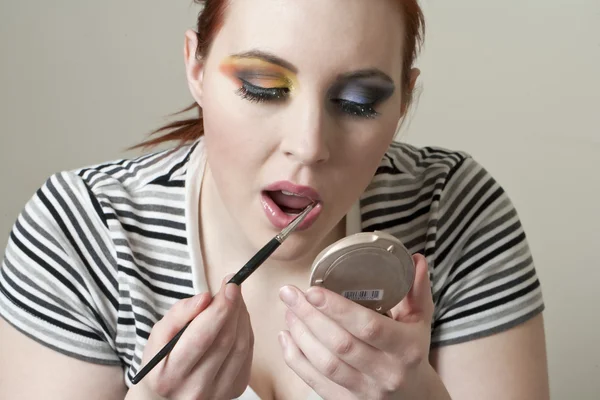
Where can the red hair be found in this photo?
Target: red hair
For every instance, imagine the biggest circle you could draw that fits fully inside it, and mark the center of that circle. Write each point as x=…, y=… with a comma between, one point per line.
x=209, y=22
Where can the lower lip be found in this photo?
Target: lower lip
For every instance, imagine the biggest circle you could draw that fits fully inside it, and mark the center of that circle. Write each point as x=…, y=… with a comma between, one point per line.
x=280, y=220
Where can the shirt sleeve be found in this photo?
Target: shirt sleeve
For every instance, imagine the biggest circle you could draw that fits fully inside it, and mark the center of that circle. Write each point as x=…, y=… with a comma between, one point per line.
x=58, y=276
x=484, y=279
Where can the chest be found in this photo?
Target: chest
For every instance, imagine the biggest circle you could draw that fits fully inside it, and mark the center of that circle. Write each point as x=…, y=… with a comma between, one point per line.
x=271, y=378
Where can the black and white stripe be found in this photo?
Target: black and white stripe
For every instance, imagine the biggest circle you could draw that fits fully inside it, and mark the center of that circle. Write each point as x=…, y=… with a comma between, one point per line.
x=445, y=205
x=98, y=255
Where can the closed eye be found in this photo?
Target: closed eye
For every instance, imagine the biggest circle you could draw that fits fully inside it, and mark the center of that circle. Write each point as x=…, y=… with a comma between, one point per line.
x=356, y=109
x=358, y=94
x=256, y=93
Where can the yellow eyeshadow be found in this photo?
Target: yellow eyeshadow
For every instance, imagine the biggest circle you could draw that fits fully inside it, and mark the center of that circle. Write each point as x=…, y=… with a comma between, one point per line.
x=258, y=72
x=268, y=82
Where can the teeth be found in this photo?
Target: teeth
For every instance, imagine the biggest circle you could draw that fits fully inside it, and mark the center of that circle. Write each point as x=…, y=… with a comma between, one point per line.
x=290, y=193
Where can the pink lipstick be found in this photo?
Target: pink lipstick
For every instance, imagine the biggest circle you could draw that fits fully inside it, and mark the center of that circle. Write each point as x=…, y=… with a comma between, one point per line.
x=282, y=201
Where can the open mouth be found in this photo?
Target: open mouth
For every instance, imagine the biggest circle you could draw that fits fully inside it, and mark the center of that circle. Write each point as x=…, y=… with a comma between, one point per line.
x=283, y=201
x=290, y=203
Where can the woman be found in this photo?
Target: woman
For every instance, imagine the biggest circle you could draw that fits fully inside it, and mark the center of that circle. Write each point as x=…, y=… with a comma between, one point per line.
x=300, y=102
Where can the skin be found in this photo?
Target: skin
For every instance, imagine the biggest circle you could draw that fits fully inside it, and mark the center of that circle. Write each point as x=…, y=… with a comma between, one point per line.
x=258, y=71
x=304, y=139
x=309, y=339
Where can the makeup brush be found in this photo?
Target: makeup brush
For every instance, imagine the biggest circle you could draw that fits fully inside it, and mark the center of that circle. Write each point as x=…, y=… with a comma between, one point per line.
x=256, y=261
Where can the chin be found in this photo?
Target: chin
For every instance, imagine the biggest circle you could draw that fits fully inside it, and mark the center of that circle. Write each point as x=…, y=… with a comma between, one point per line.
x=301, y=246
x=269, y=218
x=304, y=243
x=296, y=250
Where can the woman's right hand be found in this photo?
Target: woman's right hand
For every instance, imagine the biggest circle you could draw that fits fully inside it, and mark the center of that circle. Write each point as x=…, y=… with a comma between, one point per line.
x=213, y=357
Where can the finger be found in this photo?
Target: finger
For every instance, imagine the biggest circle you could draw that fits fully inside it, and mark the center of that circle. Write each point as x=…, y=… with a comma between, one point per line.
x=208, y=365
x=245, y=373
x=170, y=324
x=364, y=324
x=177, y=317
x=234, y=374
x=327, y=364
x=357, y=354
x=418, y=303
x=204, y=329
x=297, y=361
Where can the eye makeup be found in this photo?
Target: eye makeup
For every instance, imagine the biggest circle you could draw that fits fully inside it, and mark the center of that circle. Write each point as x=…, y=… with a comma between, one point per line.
x=263, y=77
x=258, y=78
x=357, y=95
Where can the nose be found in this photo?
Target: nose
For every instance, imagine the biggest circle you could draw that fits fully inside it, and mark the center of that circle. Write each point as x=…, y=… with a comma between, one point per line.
x=306, y=140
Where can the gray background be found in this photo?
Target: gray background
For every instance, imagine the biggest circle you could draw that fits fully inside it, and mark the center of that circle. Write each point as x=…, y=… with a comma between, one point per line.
x=513, y=82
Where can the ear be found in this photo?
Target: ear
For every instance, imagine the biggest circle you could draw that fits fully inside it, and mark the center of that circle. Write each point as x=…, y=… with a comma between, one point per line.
x=194, y=67
x=414, y=75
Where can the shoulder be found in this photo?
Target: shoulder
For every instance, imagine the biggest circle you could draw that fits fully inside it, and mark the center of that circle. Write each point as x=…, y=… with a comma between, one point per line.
x=408, y=171
x=165, y=167
x=404, y=194
x=410, y=160
x=433, y=180
x=437, y=201
x=447, y=206
x=92, y=195
x=80, y=236
x=137, y=184
x=81, y=214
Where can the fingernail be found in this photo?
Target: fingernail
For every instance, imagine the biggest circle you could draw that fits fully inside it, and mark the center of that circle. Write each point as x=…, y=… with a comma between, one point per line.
x=315, y=297
x=288, y=295
x=231, y=291
x=282, y=339
x=227, y=278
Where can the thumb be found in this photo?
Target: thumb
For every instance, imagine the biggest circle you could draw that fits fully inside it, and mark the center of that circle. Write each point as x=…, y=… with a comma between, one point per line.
x=418, y=303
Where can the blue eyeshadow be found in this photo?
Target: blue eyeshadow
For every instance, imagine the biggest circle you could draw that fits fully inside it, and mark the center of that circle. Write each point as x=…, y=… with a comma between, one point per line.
x=362, y=91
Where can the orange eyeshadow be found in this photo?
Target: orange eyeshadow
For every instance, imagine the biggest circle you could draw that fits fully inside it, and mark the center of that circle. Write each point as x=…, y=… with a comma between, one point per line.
x=258, y=72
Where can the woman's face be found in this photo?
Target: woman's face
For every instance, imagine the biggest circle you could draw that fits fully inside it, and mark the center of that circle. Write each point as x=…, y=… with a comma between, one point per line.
x=301, y=99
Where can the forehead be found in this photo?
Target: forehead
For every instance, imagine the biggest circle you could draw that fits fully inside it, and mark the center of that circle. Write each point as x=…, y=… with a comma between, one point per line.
x=333, y=36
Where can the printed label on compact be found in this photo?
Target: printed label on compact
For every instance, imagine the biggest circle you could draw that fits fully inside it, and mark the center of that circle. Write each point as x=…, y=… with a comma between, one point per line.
x=363, y=295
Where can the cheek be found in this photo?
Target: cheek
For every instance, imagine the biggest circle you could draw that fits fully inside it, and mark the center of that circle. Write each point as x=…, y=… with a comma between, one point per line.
x=363, y=154
x=371, y=141
x=226, y=124
x=231, y=140
x=219, y=135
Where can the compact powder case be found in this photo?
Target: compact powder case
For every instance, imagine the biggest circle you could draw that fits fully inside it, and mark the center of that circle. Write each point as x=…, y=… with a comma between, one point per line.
x=373, y=269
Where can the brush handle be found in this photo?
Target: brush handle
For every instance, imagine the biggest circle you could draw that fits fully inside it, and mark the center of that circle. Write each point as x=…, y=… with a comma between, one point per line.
x=159, y=356
x=238, y=278
x=255, y=262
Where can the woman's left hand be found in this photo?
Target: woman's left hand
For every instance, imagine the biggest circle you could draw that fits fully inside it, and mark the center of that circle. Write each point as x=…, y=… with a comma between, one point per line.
x=346, y=351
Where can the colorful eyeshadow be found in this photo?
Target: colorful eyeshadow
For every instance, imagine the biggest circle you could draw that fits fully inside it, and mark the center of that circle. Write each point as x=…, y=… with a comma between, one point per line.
x=258, y=72
x=363, y=91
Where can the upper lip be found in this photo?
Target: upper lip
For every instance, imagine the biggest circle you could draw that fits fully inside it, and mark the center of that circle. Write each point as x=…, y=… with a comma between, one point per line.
x=305, y=191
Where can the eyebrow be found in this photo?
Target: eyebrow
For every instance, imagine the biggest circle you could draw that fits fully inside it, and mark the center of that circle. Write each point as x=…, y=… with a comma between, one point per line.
x=273, y=59
x=365, y=73
x=268, y=57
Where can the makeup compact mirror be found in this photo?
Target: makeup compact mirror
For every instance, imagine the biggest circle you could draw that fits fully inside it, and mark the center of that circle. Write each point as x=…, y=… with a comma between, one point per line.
x=373, y=269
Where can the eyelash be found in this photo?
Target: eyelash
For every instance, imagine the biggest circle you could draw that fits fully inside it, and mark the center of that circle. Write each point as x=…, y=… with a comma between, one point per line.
x=357, y=109
x=259, y=94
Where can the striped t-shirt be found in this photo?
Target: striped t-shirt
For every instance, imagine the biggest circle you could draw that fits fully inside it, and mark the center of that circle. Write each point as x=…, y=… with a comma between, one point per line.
x=99, y=254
